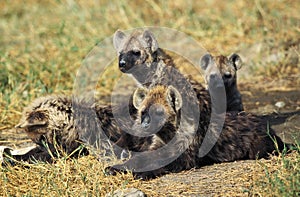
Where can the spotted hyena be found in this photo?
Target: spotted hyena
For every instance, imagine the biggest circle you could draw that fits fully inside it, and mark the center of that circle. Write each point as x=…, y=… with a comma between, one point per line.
x=60, y=122
x=243, y=136
x=139, y=55
x=221, y=72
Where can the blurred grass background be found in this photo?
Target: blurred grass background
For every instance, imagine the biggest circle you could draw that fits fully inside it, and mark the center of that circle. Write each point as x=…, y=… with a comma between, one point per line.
x=42, y=44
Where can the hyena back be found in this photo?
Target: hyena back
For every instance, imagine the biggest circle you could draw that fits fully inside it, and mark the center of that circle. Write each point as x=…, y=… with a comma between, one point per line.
x=221, y=72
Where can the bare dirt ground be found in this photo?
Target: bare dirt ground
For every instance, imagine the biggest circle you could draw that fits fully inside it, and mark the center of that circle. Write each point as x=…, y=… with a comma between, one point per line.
x=280, y=106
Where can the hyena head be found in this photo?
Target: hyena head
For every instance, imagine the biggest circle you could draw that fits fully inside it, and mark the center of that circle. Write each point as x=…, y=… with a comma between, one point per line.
x=220, y=71
x=158, y=109
x=136, y=51
x=45, y=115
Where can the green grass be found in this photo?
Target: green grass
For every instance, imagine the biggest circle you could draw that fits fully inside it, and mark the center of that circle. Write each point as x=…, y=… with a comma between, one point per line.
x=43, y=43
x=281, y=175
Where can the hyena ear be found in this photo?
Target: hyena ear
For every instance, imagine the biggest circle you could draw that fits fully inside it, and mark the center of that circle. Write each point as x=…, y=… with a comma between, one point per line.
x=139, y=96
x=36, y=118
x=118, y=39
x=26, y=123
x=150, y=40
x=205, y=61
x=236, y=60
x=174, y=98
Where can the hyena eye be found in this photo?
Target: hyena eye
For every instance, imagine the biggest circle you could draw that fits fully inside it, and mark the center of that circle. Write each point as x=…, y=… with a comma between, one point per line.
x=227, y=74
x=136, y=53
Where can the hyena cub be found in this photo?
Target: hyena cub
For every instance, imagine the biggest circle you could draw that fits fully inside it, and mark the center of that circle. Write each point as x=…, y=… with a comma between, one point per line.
x=243, y=136
x=137, y=53
x=60, y=123
x=221, y=72
x=158, y=117
x=140, y=56
x=49, y=122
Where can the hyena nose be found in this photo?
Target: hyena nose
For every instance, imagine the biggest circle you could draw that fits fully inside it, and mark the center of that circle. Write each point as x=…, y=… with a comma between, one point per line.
x=159, y=111
x=122, y=63
x=227, y=74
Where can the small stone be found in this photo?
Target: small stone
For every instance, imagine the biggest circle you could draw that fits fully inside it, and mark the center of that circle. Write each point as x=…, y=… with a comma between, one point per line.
x=128, y=192
x=280, y=104
x=25, y=94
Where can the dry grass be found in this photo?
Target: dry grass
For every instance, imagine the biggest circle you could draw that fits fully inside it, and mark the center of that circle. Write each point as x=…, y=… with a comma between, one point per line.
x=82, y=177
x=278, y=176
x=42, y=44
x=281, y=176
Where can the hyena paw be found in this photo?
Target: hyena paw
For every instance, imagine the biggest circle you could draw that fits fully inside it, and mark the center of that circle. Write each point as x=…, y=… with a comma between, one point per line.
x=113, y=170
x=144, y=175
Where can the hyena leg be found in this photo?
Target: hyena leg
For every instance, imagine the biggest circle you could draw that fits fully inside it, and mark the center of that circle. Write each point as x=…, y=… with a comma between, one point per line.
x=147, y=175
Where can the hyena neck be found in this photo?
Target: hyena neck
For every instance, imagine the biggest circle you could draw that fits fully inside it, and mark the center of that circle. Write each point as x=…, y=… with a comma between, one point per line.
x=234, y=98
x=167, y=132
x=231, y=90
x=205, y=109
x=160, y=54
x=160, y=62
x=142, y=75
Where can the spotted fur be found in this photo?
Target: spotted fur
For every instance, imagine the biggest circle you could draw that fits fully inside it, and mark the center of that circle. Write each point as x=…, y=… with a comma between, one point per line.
x=64, y=123
x=139, y=55
x=243, y=136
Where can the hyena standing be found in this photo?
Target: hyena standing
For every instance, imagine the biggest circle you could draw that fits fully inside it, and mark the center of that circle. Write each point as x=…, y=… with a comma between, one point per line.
x=221, y=72
x=244, y=136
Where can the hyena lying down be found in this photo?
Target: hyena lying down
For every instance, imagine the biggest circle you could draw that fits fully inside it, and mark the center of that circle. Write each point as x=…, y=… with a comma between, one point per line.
x=60, y=123
x=244, y=136
x=221, y=72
